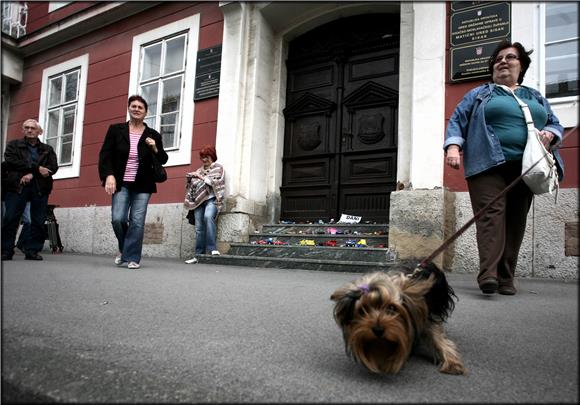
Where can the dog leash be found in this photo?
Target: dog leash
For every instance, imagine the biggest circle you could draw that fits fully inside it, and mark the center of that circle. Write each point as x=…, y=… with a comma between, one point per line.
x=458, y=233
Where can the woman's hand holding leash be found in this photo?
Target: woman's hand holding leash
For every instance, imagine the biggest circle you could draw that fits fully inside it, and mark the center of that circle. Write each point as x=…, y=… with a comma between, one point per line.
x=546, y=137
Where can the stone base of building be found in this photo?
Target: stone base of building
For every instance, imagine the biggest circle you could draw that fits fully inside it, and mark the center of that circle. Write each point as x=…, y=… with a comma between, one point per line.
x=168, y=232
x=420, y=220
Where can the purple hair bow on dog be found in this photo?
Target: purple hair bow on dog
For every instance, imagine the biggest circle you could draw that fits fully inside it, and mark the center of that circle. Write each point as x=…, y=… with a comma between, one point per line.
x=364, y=288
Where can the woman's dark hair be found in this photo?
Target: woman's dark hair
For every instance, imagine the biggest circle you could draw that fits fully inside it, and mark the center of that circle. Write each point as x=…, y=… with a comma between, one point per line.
x=208, y=150
x=137, y=97
x=523, y=56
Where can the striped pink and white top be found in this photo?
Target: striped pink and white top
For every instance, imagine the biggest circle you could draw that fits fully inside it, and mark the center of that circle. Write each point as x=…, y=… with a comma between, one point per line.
x=133, y=161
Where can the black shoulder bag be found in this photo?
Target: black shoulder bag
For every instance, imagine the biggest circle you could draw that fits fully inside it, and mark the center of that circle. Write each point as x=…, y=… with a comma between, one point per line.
x=159, y=173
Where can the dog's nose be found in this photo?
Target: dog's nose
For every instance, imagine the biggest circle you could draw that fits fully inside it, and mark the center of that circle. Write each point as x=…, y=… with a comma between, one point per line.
x=378, y=330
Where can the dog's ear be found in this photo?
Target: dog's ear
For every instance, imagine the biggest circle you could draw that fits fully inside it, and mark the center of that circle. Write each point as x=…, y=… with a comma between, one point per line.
x=345, y=299
x=417, y=285
x=439, y=296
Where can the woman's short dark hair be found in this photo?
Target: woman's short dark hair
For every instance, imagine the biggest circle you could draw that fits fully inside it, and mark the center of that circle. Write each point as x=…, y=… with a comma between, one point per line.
x=524, y=57
x=208, y=150
x=137, y=97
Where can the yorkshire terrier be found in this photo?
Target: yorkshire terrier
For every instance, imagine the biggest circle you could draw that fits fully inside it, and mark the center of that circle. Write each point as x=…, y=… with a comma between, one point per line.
x=384, y=316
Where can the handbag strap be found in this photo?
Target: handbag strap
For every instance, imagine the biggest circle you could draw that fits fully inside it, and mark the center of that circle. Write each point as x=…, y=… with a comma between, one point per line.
x=530, y=124
x=523, y=106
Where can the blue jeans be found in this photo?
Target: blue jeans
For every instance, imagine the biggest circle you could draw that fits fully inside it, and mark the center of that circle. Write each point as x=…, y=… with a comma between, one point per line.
x=128, y=213
x=15, y=206
x=25, y=231
x=205, y=227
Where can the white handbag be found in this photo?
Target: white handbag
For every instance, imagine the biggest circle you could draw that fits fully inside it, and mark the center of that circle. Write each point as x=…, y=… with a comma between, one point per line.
x=538, y=164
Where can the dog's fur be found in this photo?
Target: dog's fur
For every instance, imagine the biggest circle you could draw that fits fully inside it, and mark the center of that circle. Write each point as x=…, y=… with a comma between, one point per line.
x=383, y=316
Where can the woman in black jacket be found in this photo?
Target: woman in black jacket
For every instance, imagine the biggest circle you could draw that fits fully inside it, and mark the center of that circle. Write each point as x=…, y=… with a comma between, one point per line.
x=126, y=172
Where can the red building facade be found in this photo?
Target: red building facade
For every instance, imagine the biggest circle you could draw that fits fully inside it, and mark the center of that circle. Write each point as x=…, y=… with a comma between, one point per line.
x=107, y=51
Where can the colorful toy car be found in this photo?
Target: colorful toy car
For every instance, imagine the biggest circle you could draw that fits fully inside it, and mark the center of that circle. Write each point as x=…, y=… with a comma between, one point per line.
x=331, y=243
x=350, y=243
x=307, y=242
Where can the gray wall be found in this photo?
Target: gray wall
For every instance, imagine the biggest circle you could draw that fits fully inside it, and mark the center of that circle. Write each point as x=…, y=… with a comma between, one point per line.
x=420, y=220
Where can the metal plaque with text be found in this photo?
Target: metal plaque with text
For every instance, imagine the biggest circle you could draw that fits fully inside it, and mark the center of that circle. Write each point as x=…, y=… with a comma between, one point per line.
x=207, y=73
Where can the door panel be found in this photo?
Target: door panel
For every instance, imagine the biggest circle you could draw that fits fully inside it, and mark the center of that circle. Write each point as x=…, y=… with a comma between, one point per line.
x=341, y=121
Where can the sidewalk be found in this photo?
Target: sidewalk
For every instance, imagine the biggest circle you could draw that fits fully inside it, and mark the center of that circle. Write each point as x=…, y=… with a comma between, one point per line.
x=75, y=328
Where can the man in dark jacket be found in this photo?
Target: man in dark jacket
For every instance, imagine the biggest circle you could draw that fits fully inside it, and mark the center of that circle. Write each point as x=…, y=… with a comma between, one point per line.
x=27, y=176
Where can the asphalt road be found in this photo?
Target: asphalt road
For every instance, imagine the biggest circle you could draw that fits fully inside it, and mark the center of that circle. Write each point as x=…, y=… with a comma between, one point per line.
x=76, y=328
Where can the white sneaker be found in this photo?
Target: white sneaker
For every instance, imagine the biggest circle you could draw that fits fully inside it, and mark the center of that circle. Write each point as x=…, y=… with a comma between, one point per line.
x=133, y=265
x=118, y=260
x=215, y=252
x=193, y=260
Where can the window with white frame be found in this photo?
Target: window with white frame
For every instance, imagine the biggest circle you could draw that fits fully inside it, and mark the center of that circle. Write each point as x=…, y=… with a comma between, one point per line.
x=14, y=18
x=561, y=49
x=61, y=114
x=161, y=83
x=63, y=95
x=162, y=59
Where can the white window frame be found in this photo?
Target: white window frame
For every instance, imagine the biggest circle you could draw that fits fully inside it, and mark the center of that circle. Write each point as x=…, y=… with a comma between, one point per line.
x=82, y=62
x=182, y=155
x=528, y=21
x=55, y=5
x=160, y=81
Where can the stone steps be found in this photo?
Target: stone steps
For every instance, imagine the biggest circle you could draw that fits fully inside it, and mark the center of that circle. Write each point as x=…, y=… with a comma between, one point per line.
x=311, y=252
x=261, y=251
x=296, y=263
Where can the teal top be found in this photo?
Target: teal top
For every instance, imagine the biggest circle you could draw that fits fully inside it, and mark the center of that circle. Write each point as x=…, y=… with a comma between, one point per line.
x=506, y=117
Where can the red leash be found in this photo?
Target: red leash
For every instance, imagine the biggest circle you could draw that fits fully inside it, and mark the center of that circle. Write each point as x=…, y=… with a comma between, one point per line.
x=457, y=233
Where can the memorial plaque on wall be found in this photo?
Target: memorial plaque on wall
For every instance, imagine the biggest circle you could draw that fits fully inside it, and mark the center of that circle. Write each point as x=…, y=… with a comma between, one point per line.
x=471, y=62
x=207, y=73
x=475, y=30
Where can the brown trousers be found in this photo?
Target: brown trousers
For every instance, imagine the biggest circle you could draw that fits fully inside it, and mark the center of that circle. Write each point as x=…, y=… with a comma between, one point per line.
x=500, y=229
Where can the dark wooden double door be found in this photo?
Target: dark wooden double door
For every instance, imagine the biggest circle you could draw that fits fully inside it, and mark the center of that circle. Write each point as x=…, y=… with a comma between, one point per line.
x=340, y=143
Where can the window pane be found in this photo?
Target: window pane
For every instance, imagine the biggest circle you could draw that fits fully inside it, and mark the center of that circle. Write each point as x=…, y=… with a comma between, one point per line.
x=54, y=92
x=562, y=69
x=561, y=74
x=151, y=61
x=561, y=21
x=71, y=87
x=150, y=121
x=52, y=127
x=52, y=142
x=66, y=152
x=168, y=119
x=149, y=93
x=168, y=134
x=167, y=130
x=69, y=120
x=171, y=95
x=174, y=55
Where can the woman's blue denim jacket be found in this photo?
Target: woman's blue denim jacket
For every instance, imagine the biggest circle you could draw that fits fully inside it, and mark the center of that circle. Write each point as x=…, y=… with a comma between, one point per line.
x=481, y=148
